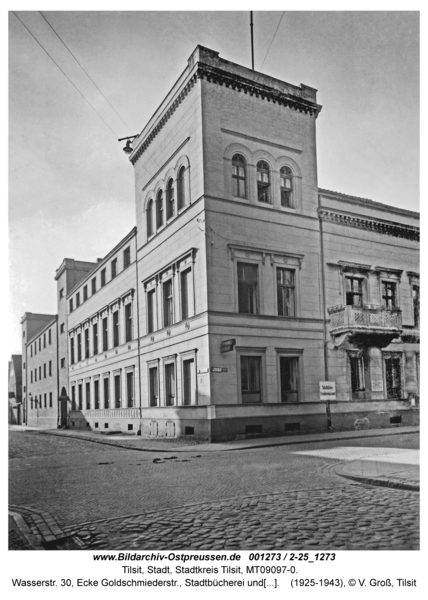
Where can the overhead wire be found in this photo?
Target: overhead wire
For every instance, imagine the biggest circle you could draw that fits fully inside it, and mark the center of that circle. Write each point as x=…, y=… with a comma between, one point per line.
x=276, y=30
x=83, y=69
x=65, y=74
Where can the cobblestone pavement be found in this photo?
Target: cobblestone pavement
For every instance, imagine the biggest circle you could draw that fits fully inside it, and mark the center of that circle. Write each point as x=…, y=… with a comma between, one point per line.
x=265, y=498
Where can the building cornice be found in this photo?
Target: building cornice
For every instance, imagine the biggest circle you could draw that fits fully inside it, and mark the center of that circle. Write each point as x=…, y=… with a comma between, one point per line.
x=400, y=230
x=367, y=202
x=295, y=101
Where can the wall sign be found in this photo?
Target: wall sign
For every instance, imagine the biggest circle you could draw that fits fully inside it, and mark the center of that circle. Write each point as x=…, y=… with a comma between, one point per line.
x=327, y=390
x=218, y=369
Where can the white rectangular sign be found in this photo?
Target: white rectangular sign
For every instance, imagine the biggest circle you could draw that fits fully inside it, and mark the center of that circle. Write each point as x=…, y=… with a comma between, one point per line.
x=327, y=390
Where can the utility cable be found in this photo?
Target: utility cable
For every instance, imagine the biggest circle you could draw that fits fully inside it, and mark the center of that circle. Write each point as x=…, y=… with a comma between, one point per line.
x=65, y=75
x=85, y=71
x=272, y=39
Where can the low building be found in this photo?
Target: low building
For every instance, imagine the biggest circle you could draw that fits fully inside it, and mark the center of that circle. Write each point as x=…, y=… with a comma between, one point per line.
x=16, y=413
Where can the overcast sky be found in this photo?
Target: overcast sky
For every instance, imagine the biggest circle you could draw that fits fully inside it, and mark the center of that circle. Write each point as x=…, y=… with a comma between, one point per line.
x=71, y=186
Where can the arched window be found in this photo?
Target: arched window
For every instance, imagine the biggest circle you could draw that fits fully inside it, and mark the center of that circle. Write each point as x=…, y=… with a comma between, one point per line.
x=286, y=175
x=263, y=181
x=170, y=199
x=159, y=210
x=181, y=189
x=239, y=176
x=149, y=216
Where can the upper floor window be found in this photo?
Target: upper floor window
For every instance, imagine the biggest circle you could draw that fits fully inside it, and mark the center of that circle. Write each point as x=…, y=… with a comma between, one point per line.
x=167, y=303
x=50, y=336
x=248, y=288
x=105, y=333
x=128, y=322
x=151, y=311
x=103, y=278
x=286, y=292
x=239, y=176
x=40, y=344
x=186, y=288
x=62, y=328
x=159, y=210
x=354, y=291
x=126, y=257
x=389, y=294
x=116, y=328
x=79, y=346
x=86, y=343
x=95, y=338
x=263, y=182
x=170, y=199
x=149, y=217
x=286, y=177
x=77, y=299
x=416, y=304
x=85, y=293
x=61, y=293
x=113, y=268
x=44, y=340
x=72, y=350
x=94, y=285
x=181, y=188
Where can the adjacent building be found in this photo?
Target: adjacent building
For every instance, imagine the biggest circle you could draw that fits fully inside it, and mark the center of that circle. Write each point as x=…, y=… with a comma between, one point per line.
x=15, y=415
x=244, y=288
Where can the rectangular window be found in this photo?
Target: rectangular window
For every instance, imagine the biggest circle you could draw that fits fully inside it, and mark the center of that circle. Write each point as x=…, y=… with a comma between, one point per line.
x=167, y=303
x=127, y=257
x=73, y=397
x=248, y=288
x=153, y=386
x=185, y=278
x=87, y=343
x=31, y=376
x=285, y=292
x=130, y=389
x=117, y=394
x=358, y=376
x=79, y=347
x=62, y=363
x=88, y=395
x=85, y=293
x=151, y=311
x=106, y=392
x=50, y=336
x=393, y=376
x=95, y=338
x=31, y=348
x=128, y=322
x=50, y=399
x=45, y=400
x=77, y=299
x=44, y=340
x=103, y=278
x=189, y=396
x=113, y=268
x=354, y=291
x=94, y=285
x=24, y=366
x=35, y=374
x=416, y=305
x=289, y=374
x=115, y=329
x=251, y=390
x=71, y=305
x=105, y=334
x=61, y=293
x=50, y=368
x=62, y=328
x=44, y=371
x=97, y=393
x=40, y=373
x=40, y=344
x=31, y=403
x=80, y=396
x=389, y=294
x=72, y=350
x=170, y=384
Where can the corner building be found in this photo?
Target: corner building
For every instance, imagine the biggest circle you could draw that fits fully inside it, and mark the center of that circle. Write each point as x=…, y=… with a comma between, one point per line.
x=243, y=285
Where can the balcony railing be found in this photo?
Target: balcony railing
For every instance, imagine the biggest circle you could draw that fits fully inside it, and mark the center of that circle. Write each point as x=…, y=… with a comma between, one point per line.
x=364, y=318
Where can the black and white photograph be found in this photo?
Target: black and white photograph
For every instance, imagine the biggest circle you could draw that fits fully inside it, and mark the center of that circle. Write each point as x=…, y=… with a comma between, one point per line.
x=214, y=299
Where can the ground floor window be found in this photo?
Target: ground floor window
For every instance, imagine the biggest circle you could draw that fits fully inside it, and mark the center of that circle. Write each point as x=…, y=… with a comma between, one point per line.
x=251, y=390
x=153, y=386
x=88, y=395
x=289, y=377
x=73, y=398
x=96, y=393
x=106, y=393
x=170, y=384
x=117, y=394
x=359, y=375
x=130, y=389
x=393, y=376
x=189, y=392
x=80, y=396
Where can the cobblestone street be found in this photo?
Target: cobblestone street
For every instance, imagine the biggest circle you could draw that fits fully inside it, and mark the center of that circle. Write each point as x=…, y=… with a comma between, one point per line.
x=278, y=497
